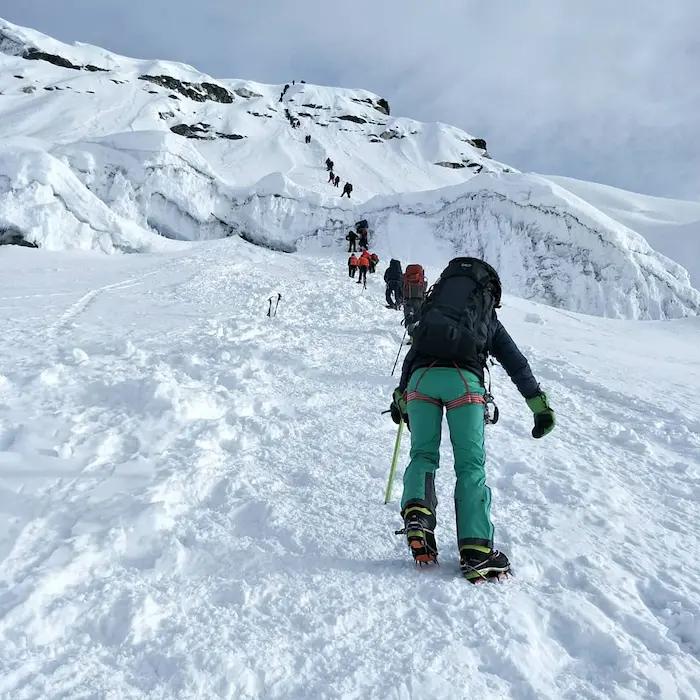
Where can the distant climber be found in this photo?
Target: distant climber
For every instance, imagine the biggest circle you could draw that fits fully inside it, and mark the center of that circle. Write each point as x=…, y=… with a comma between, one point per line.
x=351, y=238
x=336, y=182
x=347, y=190
x=331, y=177
x=352, y=265
x=444, y=372
x=364, y=238
x=373, y=262
x=393, y=276
x=307, y=138
x=329, y=164
x=363, y=266
x=413, y=293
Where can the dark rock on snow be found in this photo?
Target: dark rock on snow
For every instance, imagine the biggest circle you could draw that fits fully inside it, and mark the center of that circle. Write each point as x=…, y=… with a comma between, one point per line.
x=36, y=55
x=12, y=236
x=195, y=91
x=195, y=131
x=201, y=131
x=33, y=54
x=352, y=118
x=246, y=94
x=383, y=106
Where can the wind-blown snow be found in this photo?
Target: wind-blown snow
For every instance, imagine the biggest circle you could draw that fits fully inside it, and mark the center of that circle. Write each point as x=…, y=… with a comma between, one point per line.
x=191, y=494
x=90, y=160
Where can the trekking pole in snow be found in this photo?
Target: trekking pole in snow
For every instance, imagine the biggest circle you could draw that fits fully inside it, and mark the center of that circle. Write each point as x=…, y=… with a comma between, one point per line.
x=269, y=308
x=396, y=361
x=394, y=460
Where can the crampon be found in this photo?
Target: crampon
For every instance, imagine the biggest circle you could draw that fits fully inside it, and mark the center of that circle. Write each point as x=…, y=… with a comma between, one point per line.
x=481, y=565
x=422, y=545
x=420, y=536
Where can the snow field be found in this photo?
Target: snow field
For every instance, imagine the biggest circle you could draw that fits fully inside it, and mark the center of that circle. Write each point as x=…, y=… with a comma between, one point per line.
x=191, y=494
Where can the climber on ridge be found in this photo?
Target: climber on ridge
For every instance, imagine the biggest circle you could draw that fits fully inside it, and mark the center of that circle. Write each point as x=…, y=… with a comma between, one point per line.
x=413, y=293
x=352, y=265
x=351, y=238
x=347, y=189
x=363, y=266
x=393, y=277
x=364, y=238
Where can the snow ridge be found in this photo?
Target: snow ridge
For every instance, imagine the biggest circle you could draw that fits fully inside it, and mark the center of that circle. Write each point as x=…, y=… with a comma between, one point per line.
x=116, y=154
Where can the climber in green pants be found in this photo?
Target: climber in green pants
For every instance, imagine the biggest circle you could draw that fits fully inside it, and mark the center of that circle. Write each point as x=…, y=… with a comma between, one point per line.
x=466, y=423
x=444, y=373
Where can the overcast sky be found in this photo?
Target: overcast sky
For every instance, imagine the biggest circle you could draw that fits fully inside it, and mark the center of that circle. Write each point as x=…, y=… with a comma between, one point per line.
x=604, y=90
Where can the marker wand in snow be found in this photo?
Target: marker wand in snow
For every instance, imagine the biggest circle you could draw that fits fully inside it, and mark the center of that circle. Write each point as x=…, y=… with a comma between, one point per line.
x=269, y=307
x=394, y=460
x=279, y=297
x=396, y=361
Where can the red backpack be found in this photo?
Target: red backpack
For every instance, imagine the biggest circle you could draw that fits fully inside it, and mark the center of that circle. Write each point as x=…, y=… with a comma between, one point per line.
x=414, y=282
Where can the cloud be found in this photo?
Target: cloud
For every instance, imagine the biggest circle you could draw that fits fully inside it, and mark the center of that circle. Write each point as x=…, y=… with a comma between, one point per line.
x=600, y=90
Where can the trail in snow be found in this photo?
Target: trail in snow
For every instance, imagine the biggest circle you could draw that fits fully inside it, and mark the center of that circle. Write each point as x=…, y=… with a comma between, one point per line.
x=191, y=494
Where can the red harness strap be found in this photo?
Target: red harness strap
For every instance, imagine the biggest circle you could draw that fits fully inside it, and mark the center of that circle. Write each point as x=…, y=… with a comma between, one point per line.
x=466, y=398
x=463, y=400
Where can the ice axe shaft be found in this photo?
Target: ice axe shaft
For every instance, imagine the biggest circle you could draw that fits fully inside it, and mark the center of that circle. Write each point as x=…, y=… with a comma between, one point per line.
x=394, y=460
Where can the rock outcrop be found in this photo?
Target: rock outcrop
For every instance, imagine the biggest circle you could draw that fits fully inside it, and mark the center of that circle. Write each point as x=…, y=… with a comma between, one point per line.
x=199, y=92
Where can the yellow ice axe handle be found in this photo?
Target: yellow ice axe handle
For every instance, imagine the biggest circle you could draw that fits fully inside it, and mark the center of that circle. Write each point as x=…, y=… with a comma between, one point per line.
x=394, y=460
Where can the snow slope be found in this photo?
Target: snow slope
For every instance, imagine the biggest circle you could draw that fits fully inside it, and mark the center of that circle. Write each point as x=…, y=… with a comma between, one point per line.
x=191, y=494
x=99, y=151
x=671, y=226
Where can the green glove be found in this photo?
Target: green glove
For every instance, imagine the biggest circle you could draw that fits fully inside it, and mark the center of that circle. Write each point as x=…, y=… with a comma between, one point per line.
x=544, y=415
x=399, y=408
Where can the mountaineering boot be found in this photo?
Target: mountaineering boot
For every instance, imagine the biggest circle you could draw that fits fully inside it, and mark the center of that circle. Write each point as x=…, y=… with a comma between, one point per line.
x=479, y=564
x=419, y=528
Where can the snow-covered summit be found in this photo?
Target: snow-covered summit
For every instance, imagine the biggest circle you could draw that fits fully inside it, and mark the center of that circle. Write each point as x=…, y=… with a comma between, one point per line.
x=113, y=153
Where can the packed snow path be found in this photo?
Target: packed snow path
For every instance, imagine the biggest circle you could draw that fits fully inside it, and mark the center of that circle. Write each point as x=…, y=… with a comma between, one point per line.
x=191, y=494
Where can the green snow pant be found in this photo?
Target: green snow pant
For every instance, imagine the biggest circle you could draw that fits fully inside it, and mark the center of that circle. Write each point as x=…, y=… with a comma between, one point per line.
x=461, y=392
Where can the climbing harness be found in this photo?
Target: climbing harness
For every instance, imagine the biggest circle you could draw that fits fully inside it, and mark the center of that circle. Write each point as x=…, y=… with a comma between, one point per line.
x=469, y=397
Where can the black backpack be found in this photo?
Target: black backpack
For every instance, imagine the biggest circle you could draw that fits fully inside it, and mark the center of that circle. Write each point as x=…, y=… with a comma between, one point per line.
x=456, y=315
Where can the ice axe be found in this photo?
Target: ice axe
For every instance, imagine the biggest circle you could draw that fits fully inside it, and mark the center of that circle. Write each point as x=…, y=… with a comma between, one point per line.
x=394, y=460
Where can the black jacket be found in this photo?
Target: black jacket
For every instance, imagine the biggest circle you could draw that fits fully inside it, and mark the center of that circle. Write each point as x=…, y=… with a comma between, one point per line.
x=500, y=345
x=352, y=236
x=393, y=273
